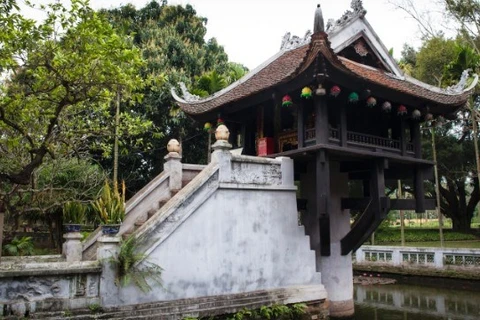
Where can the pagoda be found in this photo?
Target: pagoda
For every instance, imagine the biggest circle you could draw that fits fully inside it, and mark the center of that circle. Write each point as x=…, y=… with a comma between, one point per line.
x=337, y=103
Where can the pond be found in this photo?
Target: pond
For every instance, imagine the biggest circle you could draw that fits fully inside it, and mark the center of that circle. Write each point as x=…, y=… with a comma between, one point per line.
x=442, y=299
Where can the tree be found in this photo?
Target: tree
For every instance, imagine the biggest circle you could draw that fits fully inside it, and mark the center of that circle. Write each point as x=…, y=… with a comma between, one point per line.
x=60, y=76
x=171, y=40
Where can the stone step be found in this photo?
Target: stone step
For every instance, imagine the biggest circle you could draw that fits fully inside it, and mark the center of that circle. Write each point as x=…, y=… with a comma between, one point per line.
x=177, y=309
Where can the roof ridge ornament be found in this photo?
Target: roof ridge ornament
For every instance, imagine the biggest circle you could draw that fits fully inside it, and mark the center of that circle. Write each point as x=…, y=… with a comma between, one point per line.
x=290, y=42
x=358, y=11
x=462, y=83
x=187, y=96
x=318, y=24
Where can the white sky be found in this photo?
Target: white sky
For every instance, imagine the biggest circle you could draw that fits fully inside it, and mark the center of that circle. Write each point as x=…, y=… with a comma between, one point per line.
x=251, y=30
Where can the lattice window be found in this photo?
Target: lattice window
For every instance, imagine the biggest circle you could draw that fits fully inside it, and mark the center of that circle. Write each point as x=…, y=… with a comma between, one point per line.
x=418, y=257
x=462, y=260
x=430, y=258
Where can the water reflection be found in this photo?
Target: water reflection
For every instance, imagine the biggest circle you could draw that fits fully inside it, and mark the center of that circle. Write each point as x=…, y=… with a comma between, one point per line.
x=409, y=302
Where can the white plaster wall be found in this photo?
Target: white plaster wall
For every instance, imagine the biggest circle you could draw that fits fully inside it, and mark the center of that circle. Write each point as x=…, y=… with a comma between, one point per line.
x=238, y=240
x=337, y=273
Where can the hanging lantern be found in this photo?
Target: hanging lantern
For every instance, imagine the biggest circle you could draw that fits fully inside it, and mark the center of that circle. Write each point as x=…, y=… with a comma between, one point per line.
x=207, y=126
x=320, y=90
x=402, y=110
x=366, y=93
x=353, y=97
x=371, y=102
x=219, y=121
x=335, y=91
x=286, y=101
x=387, y=107
x=306, y=93
x=440, y=121
x=416, y=114
x=428, y=117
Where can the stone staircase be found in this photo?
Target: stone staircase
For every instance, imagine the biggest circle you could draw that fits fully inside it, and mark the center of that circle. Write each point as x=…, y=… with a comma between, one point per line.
x=193, y=307
x=151, y=198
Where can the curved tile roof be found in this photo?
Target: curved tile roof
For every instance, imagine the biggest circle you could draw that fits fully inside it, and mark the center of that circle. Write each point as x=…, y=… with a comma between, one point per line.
x=288, y=64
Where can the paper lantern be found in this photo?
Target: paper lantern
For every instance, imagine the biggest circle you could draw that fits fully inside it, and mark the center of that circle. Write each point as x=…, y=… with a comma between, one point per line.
x=416, y=114
x=335, y=91
x=219, y=122
x=306, y=93
x=428, y=117
x=320, y=91
x=286, y=101
x=386, y=106
x=371, y=102
x=402, y=110
x=353, y=97
x=207, y=126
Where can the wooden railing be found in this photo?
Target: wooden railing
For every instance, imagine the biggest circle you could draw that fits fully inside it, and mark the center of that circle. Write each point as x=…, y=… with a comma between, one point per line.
x=373, y=140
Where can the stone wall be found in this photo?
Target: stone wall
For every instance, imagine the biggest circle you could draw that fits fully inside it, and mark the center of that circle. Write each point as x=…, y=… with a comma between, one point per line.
x=28, y=286
x=233, y=229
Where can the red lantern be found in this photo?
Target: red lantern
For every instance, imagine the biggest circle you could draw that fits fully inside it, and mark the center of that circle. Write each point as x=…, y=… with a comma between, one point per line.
x=335, y=91
x=402, y=110
x=371, y=102
x=286, y=101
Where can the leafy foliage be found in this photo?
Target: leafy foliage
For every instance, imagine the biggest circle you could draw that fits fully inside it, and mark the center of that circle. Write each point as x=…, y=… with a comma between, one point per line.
x=133, y=268
x=74, y=212
x=19, y=247
x=110, y=206
x=390, y=235
x=60, y=76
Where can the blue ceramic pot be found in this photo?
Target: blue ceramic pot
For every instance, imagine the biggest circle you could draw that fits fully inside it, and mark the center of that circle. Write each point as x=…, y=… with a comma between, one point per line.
x=72, y=227
x=110, y=229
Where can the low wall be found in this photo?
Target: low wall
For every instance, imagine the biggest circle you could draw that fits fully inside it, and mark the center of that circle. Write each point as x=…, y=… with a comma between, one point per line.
x=40, y=284
x=444, y=262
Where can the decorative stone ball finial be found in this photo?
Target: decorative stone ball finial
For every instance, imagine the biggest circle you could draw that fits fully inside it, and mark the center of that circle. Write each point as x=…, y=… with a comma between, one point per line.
x=173, y=146
x=222, y=133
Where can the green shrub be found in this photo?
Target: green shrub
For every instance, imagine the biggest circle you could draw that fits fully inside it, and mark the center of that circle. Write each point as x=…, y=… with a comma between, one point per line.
x=19, y=247
x=110, y=206
x=389, y=235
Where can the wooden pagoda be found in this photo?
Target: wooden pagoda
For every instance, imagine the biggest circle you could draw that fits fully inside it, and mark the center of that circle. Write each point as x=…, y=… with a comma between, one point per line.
x=336, y=98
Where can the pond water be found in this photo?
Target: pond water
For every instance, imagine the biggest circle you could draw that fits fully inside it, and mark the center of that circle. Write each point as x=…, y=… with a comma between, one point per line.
x=426, y=301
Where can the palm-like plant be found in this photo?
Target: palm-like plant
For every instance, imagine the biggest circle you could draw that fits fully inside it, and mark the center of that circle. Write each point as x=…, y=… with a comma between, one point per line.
x=19, y=247
x=133, y=268
x=74, y=212
x=110, y=206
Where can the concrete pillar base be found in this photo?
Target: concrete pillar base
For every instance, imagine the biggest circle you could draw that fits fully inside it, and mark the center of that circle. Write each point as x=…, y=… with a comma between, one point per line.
x=341, y=309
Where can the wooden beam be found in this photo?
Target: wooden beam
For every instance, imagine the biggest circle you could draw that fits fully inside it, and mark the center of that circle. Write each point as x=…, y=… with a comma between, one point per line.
x=323, y=201
x=301, y=125
x=321, y=119
x=403, y=138
x=277, y=117
x=419, y=190
x=343, y=125
x=374, y=212
x=417, y=139
x=395, y=204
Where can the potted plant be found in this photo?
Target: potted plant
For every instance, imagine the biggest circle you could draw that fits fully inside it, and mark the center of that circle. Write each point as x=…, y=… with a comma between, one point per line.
x=110, y=207
x=73, y=216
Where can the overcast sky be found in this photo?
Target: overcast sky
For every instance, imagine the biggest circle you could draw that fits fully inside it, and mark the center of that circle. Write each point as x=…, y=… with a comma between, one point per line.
x=251, y=30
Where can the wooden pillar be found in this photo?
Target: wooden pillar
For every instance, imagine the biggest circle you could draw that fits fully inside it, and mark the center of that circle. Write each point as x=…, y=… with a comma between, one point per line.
x=419, y=190
x=277, y=118
x=403, y=138
x=343, y=125
x=323, y=200
x=301, y=126
x=417, y=139
x=321, y=120
x=377, y=186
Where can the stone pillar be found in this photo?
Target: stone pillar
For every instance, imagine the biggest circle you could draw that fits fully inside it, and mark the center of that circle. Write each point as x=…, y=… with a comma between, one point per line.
x=173, y=165
x=337, y=273
x=72, y=248
x=287, y=171
x=108, y=247
x=221, y=153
